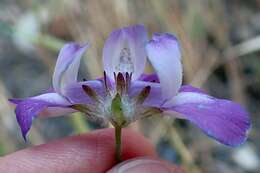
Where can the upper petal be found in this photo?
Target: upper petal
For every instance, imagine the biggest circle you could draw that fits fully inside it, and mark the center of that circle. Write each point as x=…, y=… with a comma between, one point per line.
x=27, y=109
x=164, y=53
x=221, y=119
x=67, y=66
x=124, y=51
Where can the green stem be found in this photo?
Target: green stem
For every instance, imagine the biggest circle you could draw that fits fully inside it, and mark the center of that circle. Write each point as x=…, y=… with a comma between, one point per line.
x=118, y=143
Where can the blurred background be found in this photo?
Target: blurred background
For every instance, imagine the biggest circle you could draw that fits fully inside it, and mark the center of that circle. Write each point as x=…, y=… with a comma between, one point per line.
x=220, y=43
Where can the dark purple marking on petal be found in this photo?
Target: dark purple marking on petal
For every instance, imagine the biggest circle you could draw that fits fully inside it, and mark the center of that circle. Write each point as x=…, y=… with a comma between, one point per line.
x=154, y=99
x=165, y=39
x=91, y=93
x=120, y=83
x=140, y=98
x=149, y=78
x=76, y=94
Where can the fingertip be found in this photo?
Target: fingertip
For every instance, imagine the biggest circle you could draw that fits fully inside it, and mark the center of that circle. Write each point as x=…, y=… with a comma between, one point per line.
x=81, y=153
x=134, y=145
x=145, y=164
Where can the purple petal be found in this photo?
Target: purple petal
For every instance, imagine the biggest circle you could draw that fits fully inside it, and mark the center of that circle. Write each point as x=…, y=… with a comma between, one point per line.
x=67, y=66
x=221, y=119
x=49, y=104
x=15, y=101
x=26, y=111
x=51, y=98
x=76, y=95
x=164, y=53
x=154, y=99
x=149, y=78
x=124, y=51
x=189, y=88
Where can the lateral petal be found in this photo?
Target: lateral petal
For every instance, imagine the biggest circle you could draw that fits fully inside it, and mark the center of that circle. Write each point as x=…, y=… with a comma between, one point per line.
x=27, y=109
x=221, y=119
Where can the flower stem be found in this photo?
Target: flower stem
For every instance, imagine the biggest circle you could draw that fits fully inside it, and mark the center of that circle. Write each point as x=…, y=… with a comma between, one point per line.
x=118, y=143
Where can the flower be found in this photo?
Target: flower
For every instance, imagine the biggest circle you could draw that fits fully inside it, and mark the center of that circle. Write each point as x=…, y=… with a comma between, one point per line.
x=125, y=94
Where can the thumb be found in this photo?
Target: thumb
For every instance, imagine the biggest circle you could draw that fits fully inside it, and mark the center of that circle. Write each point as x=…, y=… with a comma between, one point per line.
x=145, y=165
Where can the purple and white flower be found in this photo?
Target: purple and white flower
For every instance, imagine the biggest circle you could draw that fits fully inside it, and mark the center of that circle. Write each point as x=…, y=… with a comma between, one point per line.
x=125, y=94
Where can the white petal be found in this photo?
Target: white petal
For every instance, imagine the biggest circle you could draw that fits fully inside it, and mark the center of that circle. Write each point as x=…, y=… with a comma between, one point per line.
x=124, y=51
x=67, y=66
x=164, y=53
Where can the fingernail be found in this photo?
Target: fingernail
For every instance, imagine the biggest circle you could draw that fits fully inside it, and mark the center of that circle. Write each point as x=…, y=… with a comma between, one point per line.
x=142, y=165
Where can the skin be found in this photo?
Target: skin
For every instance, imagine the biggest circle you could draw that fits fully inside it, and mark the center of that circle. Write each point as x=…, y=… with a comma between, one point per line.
x=78, y=154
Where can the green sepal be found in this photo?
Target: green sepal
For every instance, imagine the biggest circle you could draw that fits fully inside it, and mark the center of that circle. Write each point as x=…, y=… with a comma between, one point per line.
x=117, y=111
